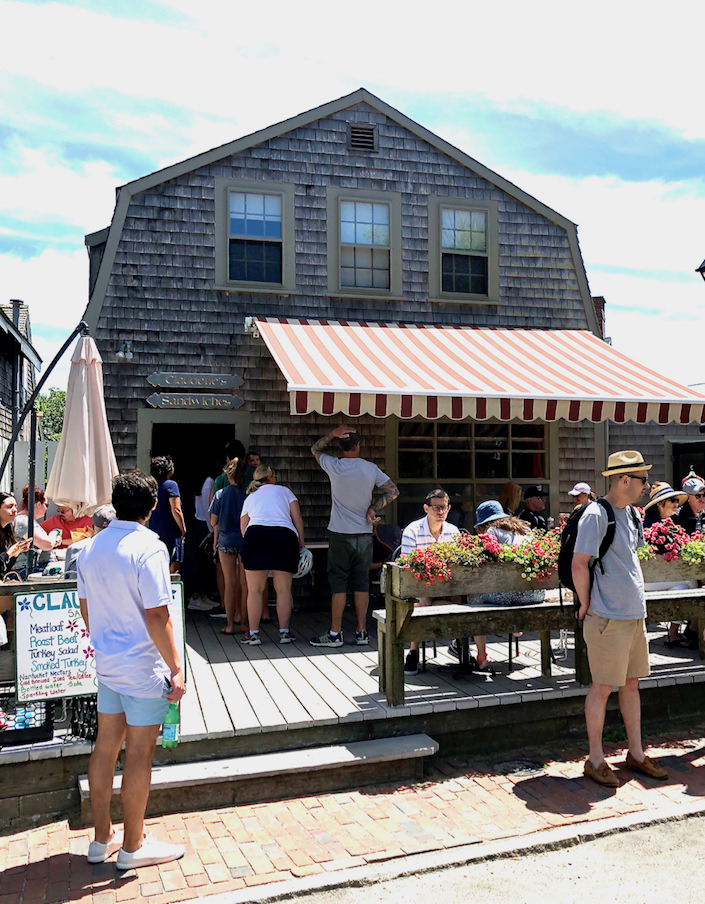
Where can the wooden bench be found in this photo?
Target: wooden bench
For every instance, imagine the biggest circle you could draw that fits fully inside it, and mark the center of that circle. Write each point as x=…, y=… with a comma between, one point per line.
x=273, y=776
x=443, y=622
x=399, y=622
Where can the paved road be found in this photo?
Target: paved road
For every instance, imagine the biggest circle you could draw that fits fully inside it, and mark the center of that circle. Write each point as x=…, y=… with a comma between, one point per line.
x=653, y=865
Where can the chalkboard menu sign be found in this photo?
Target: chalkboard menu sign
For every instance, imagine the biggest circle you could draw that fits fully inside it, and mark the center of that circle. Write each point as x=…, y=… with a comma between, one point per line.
x=53, y=652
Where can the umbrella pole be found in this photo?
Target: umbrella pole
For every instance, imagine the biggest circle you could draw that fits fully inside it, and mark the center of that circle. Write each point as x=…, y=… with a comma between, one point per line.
x=30, y=489
x=81, y=329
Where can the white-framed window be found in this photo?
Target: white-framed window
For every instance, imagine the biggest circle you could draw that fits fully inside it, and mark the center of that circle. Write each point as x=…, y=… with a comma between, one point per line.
x=255, y=235
x=463, y=262
x=255, y=242
x=364, y=242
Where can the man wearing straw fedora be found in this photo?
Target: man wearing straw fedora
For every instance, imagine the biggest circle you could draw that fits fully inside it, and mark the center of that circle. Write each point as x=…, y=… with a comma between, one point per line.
x=613, y=610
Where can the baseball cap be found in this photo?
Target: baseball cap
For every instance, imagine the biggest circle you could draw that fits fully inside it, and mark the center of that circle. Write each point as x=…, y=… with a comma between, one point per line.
x=534, y=491
x=580, y=488
x=693, y=485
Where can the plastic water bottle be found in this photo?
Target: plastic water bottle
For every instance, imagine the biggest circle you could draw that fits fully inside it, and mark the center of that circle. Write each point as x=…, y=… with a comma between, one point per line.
x=170, y=728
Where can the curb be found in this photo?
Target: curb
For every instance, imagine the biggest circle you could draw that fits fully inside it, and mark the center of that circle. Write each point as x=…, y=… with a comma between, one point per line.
x=397, y=868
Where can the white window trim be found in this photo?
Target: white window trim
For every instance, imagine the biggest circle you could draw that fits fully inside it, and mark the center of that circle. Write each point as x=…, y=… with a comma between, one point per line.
x=285, y=190
x=334, y=195
x=435, y=293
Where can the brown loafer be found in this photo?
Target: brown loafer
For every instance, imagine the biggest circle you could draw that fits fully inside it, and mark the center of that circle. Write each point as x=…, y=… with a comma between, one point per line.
x=648, y=767
x=601, y=774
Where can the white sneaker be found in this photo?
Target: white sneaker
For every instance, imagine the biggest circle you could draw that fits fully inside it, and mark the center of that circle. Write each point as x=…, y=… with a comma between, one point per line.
x=99, y=853
x=200, y=605
x=151, y=853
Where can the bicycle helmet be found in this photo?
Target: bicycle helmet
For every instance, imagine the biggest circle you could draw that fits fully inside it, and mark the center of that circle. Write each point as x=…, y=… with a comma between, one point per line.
x=305, y=562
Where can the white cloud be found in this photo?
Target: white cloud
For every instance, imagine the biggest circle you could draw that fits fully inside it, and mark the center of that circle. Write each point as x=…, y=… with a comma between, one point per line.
x=55, y=287
x=254, y=66
x=42, y=187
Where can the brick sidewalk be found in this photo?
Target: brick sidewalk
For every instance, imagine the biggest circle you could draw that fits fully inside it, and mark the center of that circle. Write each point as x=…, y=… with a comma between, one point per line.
x=462, y=802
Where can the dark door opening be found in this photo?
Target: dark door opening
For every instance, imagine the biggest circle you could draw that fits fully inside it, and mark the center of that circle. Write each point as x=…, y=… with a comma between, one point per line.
x=198, y=450
x=685, y=457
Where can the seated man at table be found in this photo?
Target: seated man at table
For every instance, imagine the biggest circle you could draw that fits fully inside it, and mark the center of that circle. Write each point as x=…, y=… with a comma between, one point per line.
x=433, y=528
x=66, y=521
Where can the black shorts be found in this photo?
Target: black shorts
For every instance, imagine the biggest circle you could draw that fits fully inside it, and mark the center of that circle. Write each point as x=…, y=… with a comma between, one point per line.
x=270, y=549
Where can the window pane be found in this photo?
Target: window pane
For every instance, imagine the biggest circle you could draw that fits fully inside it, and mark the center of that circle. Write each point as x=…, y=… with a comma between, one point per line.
x=528, y=465
x=254, y=205
x=415, y=464
x=454, y=464
x=363, y=278
x=347, y=276
x=237, y=202
x=273, y=206
x=253, y=261
x=491, y=464
x=347, y=233
x=380, y=214
x=497, y=434
x=363, y=212
x=380, y=235
x=347, y=257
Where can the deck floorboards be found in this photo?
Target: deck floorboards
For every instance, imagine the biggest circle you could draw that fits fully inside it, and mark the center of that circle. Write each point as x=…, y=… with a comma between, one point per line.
x=238, y=689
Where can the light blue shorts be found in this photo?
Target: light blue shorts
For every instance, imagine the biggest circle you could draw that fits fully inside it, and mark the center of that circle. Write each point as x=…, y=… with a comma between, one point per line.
x=138, y=710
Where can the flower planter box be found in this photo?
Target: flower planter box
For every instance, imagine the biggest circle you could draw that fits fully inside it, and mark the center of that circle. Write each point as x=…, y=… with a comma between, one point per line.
x=657, y=569
x=492, y=577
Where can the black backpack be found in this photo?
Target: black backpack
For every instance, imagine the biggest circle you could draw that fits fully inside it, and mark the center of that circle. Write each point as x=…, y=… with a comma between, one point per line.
x=569, y=536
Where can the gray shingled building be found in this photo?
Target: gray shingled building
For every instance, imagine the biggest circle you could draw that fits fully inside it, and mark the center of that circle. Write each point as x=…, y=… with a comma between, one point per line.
x=350, y=212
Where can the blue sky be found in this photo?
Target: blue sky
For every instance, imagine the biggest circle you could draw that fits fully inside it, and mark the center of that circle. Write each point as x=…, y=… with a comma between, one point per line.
x=594, y=109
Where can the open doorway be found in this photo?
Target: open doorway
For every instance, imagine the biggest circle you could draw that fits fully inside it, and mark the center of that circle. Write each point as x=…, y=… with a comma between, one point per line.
x=685, y=457
x=197, y=449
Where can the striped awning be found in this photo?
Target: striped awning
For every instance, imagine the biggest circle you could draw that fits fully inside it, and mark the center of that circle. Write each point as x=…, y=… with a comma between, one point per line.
x=382, y=369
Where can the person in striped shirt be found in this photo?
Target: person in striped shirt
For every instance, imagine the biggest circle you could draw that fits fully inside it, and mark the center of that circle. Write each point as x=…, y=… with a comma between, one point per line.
x=433, y=528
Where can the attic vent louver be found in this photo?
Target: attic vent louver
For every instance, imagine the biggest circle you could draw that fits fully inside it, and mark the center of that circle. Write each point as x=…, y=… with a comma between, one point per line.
x=362, y=137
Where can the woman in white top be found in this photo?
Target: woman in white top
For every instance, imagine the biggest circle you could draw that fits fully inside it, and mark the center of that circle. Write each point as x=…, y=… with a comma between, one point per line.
x=273, y=532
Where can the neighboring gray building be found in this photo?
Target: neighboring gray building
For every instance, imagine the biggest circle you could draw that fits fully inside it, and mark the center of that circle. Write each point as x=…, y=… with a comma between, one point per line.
x=350, y=212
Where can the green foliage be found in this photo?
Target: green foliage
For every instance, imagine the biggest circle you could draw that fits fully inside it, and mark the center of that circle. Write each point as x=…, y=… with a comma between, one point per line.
x=52, y=407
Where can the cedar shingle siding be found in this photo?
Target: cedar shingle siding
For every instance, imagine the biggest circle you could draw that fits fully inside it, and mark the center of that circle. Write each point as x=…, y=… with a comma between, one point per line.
x=161, y=295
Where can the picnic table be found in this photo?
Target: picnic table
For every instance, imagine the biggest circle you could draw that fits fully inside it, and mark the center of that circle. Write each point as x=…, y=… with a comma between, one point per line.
x=399, y=622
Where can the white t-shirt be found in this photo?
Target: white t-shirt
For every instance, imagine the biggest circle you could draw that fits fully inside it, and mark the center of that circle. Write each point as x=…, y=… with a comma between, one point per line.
x=352, y=481
x=123, y=571
x=202, y=500
x=269, y=507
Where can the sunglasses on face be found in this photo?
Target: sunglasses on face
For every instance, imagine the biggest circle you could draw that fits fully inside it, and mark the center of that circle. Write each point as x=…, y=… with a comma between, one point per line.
x=700, y=495
x=439, y=508
x=644, y=480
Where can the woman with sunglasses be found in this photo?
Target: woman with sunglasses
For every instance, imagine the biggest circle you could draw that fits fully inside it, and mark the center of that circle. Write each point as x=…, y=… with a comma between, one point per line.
x=663, y=503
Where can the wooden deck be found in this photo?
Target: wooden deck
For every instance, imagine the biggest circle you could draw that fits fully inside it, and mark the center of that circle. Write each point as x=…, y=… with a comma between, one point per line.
x=237, y=690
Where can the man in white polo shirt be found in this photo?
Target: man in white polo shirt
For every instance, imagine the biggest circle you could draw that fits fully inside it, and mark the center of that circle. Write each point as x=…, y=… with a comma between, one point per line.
x=124, y=589
x=433, y=528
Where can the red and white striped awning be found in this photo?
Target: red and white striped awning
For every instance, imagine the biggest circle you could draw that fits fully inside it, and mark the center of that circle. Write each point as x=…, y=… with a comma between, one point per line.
x=382, y=369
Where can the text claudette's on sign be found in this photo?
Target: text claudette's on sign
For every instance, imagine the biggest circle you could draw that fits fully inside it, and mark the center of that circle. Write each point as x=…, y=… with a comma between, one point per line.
x=54, y=656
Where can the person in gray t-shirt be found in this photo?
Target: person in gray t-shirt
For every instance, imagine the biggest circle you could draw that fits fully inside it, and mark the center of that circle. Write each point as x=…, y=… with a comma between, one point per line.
x=353, y=481
x=613, y=612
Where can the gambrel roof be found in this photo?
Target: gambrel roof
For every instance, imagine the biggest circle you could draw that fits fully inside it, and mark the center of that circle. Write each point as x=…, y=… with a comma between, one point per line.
x=361, y=95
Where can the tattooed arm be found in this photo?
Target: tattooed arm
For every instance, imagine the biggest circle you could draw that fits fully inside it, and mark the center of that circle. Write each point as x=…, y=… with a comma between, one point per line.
x=388, y=493
x=321, y=444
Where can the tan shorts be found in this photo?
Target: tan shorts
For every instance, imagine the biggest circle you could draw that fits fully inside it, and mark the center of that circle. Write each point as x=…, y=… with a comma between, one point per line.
x=617, y=650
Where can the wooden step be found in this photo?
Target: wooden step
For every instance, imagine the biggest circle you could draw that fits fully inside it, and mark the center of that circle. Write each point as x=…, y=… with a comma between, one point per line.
x=274, y=776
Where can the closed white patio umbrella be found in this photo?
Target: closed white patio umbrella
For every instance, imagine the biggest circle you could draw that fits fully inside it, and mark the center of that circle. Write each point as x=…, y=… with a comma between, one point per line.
x=85, y=463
